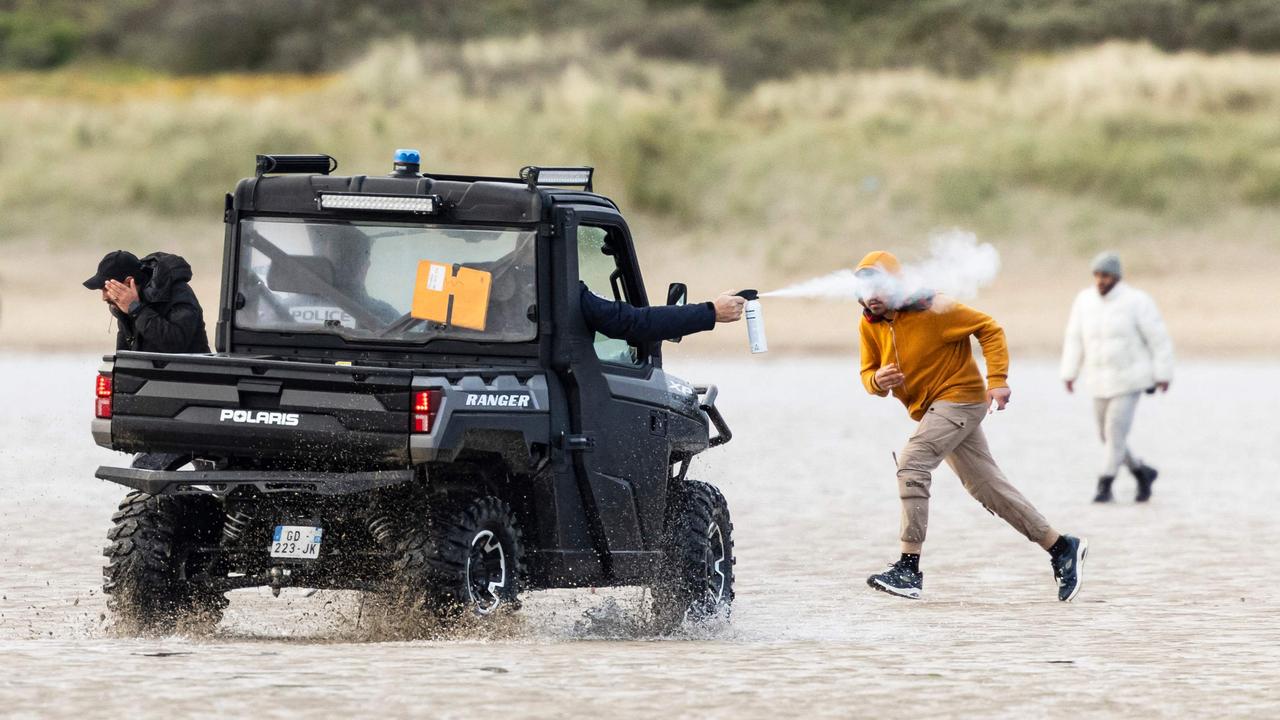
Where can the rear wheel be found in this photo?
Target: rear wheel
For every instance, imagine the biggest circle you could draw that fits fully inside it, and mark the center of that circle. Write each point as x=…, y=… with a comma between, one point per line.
x=696, y=581
x=465, y=560
x=153, y=560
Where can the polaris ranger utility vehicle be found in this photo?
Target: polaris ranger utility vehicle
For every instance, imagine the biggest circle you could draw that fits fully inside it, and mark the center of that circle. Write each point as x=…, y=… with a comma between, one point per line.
x=405, y=400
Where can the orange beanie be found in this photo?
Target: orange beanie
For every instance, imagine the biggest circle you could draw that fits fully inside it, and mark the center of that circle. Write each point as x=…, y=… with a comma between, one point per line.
x=880, y=260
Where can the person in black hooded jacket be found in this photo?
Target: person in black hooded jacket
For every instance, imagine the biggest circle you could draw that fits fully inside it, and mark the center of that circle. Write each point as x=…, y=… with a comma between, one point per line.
x=153, y=303
x=155, y=311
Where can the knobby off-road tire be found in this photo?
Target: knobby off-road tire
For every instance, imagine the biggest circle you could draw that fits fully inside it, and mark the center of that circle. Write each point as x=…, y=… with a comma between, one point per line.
x=466, y=559
x=150, y=562
x=696, y=581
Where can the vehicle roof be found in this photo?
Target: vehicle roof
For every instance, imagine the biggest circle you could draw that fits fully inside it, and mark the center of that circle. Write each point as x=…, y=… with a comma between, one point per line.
x=464, y=199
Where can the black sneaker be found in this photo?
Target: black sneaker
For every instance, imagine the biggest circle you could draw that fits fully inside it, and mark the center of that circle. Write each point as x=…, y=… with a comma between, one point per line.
x=899, y=580
x=1068, y=567
x=1104, y=490
x=1145, y=475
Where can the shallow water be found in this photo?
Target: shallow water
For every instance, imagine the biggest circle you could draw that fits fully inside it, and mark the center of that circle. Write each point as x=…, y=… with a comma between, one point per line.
x=1178, y=614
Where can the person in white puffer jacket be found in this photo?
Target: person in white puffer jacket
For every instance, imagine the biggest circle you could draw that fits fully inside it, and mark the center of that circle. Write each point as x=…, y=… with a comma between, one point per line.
x=1115, y=334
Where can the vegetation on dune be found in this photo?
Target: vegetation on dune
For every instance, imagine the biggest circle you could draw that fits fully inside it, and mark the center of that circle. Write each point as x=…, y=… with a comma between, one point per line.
x=749, y=41
x=1173, y=158
x=1058, y=147
x=755, y=139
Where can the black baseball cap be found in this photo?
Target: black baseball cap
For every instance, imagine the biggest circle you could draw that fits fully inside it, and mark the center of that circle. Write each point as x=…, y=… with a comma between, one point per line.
x=116, y=265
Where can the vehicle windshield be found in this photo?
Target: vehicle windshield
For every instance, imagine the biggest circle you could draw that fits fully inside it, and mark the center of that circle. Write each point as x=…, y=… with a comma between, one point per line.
x=386, y=281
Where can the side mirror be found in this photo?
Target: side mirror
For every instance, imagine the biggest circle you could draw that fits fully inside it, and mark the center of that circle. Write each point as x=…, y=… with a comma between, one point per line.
x=677, y=294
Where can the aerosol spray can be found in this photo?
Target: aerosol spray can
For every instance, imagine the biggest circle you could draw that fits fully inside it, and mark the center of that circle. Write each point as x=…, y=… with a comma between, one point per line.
x=755, y=321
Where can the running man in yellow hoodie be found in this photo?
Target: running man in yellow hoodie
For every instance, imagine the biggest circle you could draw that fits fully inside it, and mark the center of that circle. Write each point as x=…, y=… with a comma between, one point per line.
x=916, y=348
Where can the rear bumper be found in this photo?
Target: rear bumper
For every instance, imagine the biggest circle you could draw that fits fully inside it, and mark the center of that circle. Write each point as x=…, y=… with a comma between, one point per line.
x=101, y=429
x=221, y=482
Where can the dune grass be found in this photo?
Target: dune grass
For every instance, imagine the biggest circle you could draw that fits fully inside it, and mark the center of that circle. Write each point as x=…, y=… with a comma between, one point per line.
x=1119, y=145
x=1178, y=138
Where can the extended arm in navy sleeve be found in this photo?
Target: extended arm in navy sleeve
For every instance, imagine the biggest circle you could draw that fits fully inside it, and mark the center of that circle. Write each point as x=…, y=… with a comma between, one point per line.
x=639, y=325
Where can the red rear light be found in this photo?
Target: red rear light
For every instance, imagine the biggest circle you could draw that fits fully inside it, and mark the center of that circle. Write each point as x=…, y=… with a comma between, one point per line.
x=102, y=406
x=426, y=403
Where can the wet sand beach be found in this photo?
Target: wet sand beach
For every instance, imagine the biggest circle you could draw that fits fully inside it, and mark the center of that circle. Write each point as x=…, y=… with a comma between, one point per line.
x=1178, y=615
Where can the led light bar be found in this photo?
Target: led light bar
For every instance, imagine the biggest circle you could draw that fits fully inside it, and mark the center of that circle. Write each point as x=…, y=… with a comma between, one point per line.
x=423, y=204
x=305, y=164
x=535, y=176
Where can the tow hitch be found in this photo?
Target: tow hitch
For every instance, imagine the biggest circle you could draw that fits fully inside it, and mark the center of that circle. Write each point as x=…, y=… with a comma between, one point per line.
x=280, y=578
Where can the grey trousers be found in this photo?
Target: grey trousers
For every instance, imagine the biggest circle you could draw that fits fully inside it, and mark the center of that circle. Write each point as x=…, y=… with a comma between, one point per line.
x=952, y=432
x=1115, y=419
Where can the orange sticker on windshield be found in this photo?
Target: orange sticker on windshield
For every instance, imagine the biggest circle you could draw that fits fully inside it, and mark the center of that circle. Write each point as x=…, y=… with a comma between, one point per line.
x=430, y=298
x=453, y=295
x=470, y=298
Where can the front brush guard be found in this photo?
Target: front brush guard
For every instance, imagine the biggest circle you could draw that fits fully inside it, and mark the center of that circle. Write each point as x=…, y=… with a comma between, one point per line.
x=708, y=405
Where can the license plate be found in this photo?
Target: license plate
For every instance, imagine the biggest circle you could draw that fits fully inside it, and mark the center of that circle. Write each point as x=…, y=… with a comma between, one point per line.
x=297, y=542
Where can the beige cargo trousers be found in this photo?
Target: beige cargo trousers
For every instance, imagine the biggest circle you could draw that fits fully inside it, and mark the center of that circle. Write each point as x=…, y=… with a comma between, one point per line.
x=953, y=432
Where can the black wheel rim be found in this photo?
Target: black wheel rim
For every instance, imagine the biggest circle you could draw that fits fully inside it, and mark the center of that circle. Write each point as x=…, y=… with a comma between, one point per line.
x=486, y=572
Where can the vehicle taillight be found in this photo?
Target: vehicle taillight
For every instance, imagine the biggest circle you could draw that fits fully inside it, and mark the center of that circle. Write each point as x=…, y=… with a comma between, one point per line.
x=102, y=406
x=425, y=405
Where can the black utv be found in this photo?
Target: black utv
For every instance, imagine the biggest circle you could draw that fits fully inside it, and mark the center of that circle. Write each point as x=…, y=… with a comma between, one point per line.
x=405, y=400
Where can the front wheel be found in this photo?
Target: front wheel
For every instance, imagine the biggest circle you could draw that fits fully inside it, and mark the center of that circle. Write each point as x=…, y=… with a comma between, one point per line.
x=696, y=581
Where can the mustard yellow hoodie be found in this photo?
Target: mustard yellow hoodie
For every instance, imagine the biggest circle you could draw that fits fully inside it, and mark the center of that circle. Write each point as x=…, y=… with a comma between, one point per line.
x=931, y=347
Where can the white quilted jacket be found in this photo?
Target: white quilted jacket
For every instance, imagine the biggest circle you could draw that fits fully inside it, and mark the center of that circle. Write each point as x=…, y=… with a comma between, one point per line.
x=1119, y=340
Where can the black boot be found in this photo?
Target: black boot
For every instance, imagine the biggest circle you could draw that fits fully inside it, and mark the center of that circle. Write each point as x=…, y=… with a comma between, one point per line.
x=1104, y=489
x=1145, y=475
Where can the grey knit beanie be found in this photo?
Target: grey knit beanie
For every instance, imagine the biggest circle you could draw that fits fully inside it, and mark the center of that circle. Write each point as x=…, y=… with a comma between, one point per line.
x=1108, y=263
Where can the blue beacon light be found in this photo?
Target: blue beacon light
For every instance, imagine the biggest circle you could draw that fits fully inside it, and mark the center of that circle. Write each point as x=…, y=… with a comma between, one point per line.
x=407, y=162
